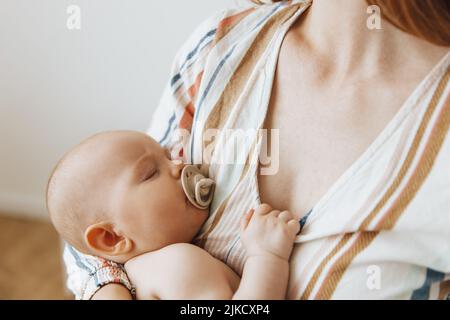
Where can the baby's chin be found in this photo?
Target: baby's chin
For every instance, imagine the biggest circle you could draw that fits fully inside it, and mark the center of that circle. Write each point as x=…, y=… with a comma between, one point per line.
x=200, y=215
x=203, y=214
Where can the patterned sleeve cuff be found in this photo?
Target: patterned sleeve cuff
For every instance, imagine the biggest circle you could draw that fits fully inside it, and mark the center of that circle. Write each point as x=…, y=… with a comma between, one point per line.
x=87, y=274
x=109, y=273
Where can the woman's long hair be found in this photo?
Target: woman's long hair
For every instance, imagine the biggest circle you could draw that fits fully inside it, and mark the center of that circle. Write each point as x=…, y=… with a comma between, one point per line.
x=426, y=19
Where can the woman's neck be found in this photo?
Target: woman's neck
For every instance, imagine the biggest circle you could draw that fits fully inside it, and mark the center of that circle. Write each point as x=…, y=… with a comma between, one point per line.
x=337, y=34
x=337, y=30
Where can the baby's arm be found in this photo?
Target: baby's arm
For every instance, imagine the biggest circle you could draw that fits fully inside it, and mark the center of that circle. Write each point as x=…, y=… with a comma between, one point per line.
x=184, y=271
x=268, y=237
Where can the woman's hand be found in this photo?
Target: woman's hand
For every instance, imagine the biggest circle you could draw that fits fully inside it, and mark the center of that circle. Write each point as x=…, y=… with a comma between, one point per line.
x=113, y=291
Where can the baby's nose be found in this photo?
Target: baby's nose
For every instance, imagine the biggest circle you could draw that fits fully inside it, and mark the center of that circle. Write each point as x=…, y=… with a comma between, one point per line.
x=176, y=168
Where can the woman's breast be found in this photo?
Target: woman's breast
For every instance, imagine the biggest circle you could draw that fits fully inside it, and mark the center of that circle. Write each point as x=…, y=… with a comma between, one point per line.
x=309, y=158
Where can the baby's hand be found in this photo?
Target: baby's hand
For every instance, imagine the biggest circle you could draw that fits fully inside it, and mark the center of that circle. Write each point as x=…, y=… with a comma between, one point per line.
x=269, y=232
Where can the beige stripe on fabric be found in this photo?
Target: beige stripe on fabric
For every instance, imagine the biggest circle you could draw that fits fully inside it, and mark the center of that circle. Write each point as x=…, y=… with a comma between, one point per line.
x=306, y=294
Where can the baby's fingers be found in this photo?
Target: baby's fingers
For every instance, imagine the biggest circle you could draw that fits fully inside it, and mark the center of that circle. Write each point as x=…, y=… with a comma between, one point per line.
x=294, y=226
x=285, y=216
x=246, y=219
x=263, y=209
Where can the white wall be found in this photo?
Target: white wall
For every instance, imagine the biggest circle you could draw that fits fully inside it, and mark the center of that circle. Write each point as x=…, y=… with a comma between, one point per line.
x=59, y=86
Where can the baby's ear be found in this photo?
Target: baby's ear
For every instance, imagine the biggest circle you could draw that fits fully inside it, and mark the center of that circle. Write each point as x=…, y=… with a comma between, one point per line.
x=103, y=241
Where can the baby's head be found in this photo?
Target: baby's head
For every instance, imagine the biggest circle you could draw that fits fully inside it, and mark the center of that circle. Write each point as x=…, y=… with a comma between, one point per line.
x=118, y=195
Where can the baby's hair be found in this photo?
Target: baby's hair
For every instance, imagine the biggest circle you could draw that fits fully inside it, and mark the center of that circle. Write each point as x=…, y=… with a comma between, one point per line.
x=63, y=213
x=66, y=197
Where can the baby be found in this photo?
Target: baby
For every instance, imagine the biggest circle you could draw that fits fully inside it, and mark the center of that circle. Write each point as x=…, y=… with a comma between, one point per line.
x=118, y=195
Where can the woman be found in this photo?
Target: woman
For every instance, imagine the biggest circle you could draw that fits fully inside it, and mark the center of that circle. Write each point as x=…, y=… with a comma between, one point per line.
x=363, y=145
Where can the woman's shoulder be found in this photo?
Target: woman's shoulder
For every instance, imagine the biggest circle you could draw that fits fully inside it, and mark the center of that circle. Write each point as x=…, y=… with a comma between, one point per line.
x=201, y=55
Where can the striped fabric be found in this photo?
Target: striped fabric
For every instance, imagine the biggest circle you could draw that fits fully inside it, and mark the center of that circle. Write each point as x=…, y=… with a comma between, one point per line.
x=381, y=232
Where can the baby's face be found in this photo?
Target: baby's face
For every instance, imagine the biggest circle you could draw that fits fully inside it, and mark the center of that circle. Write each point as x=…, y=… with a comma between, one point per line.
x=144, y=192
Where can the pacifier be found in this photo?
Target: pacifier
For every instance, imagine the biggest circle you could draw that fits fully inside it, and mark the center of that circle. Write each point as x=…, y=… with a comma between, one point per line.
x=198, y=188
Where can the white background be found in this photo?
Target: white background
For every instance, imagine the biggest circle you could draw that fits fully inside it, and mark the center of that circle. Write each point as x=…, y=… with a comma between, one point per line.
x=58, y=86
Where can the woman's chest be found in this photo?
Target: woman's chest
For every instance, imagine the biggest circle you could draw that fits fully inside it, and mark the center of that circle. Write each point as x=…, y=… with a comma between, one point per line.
x=317, y=140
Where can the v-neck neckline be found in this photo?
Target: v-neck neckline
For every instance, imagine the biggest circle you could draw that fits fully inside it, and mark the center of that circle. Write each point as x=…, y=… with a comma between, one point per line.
x=387, y=131
x=410, y=104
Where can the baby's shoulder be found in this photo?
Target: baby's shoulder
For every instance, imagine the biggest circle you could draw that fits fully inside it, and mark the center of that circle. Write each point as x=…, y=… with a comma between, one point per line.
x=183, y=251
